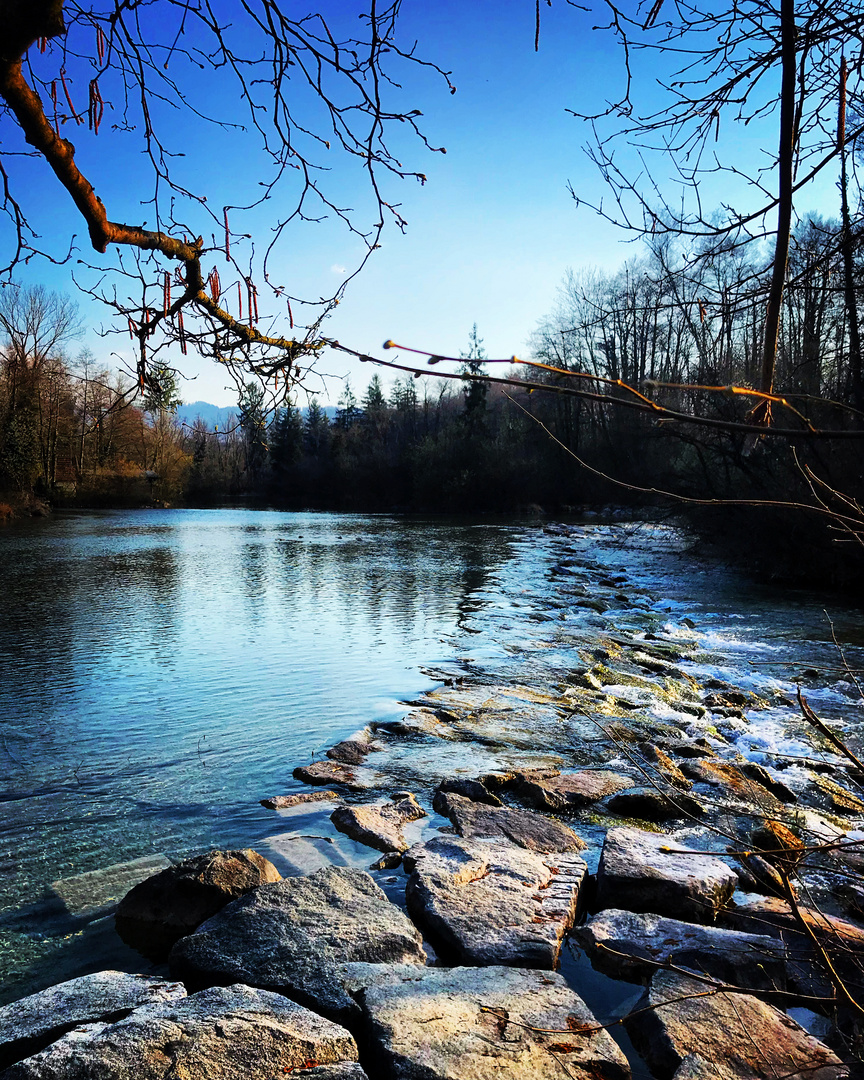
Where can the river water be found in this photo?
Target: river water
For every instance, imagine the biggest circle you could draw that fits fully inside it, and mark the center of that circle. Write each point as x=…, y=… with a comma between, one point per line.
x=162, y=671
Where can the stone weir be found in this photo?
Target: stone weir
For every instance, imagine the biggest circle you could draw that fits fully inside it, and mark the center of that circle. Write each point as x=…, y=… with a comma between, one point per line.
x=583, y=804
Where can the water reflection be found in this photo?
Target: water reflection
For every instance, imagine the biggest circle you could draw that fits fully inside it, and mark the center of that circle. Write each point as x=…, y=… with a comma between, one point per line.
x=164, y=670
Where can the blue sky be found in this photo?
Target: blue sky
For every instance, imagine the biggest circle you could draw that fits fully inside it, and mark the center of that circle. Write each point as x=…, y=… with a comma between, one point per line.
x=489, y=236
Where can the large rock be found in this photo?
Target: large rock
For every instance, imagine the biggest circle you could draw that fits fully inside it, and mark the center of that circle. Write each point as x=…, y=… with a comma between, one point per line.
x=649, y=804
x=30, y=1024
x=570, y=791
x=171, y=904
x=643, y=871
x=735, y=783
x=355, y=749
x=475, y=790
x=486, y=901
x=225, y=1033
x=627, y=945
x=290, y=936
x=525, y=828
x=379, y=826
x=746, y=1037
x=335, y=772
x=485, y=1024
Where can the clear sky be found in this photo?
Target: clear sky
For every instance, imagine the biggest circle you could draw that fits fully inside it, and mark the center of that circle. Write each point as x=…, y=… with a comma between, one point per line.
x=489, y=236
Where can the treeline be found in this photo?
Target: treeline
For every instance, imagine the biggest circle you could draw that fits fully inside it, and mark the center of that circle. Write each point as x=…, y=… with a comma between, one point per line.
x=681, y=333
x=74, y=430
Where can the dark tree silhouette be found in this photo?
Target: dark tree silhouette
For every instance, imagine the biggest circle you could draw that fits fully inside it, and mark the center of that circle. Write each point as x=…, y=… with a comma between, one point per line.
x=294, y=92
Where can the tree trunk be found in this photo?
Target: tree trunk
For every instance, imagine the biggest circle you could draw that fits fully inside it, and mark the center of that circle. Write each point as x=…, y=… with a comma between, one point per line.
x=785, y=163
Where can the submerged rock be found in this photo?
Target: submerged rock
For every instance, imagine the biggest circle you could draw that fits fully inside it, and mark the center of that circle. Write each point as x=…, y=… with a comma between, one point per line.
x=32, y=1023
x=484, y=1024
x=229, y=1033
x=745, y=1038
x=290, y=936
x=525, y=828
x=484, y=901
x=171, y=904
x=379, y=826
x=643, y=871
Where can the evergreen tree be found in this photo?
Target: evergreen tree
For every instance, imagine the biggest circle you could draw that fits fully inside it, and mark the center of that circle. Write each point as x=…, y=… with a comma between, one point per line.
x=475, y=389
x=316, y=431
x=254, y=427
x=348, y=411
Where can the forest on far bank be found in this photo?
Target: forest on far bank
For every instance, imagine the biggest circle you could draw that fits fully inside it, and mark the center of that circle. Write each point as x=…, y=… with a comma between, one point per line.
x=649, y=344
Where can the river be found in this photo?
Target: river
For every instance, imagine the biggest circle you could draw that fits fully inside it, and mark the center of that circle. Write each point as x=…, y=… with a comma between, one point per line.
x=164, y=670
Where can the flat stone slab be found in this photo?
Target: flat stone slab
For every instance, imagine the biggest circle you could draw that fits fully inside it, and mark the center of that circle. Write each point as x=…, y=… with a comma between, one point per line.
x=289, y=937
x=734, y=782
x=380, y=826
x=523, y=827
x=651, y=805
x=642, y=871
x=32, y=1023
x=746, y=1037
x=486, y=901
x=87, y=895
x=570, y=791
x=627, y=945
x=286, y=802
x=481, y=1024
x=229, y=1033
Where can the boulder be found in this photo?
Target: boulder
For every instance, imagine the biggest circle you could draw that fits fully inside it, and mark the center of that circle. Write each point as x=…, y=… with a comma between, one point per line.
x=379, y=826
x=486, y=901
x=169, y=905
x=356, y=749
x=229, y=1033
x=32, y=1023
x=484, y=1024
x=290, y=936
x=746, y=1037
x=651, y=805
x=335, y=772
x=525, y=828
x=569, y=791
x=630, y=946
x=643, y=871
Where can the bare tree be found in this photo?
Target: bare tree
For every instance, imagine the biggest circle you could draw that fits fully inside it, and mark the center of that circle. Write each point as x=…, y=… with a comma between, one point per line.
x=725, y=69
x=308, y=88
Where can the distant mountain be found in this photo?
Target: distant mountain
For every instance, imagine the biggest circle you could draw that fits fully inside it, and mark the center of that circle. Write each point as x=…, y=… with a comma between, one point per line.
x=210, y=414
x=223, y=415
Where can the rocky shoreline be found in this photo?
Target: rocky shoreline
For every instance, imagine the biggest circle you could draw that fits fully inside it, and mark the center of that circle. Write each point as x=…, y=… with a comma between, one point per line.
x=592, y=806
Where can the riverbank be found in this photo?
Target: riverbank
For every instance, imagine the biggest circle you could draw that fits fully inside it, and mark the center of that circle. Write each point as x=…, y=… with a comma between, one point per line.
x=565, y=770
